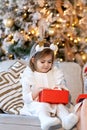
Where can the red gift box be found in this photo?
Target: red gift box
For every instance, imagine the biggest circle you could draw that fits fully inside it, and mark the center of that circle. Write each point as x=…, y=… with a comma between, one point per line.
x=54, y=96
x=81, y=97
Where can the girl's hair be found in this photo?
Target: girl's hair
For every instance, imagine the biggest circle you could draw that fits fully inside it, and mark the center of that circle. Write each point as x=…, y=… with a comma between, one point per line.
x=39, y=55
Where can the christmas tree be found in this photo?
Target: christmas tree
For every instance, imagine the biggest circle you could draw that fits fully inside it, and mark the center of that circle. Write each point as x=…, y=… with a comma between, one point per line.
x=63, y=22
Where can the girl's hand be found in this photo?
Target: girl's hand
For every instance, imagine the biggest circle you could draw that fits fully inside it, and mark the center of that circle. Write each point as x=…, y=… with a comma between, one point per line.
x=57, y=88
x=63, y=87
x=36, y=91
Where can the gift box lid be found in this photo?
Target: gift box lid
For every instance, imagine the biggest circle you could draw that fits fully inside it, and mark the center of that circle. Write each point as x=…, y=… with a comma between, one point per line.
x=81, y=97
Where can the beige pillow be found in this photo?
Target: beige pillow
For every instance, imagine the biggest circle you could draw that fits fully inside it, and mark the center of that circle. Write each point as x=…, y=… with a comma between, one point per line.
x=11, y=89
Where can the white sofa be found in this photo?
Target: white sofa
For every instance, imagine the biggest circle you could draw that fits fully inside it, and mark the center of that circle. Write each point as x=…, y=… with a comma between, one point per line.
x=73, y=77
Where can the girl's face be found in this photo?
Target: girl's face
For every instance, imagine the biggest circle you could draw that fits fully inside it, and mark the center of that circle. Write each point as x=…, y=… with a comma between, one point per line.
x=44, y=64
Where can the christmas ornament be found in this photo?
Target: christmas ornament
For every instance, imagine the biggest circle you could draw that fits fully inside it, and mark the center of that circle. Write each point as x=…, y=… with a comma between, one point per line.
x=8, y=22
x=51, y=31
x=84, y=57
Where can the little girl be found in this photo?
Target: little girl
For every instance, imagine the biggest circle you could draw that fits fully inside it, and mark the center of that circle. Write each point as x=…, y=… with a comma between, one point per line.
x=40, y=74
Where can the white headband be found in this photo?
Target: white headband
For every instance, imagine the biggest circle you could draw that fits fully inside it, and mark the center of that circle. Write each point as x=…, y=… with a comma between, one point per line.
x=41, y=48
x=38, y=48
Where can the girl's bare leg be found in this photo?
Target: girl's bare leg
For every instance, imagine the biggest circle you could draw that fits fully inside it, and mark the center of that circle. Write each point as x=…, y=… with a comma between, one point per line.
x=79, y=122
x=82, y=113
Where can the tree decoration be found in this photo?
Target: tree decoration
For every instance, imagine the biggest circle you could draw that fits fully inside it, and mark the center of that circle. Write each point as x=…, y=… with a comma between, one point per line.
x=41, y=3
x=58, y=5
x=51, y=31
x=8, y=22
x=63, y=23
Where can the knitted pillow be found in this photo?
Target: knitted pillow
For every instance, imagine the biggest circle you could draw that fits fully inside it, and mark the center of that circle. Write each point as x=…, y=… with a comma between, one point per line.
x=16, y=69
x=10, y=89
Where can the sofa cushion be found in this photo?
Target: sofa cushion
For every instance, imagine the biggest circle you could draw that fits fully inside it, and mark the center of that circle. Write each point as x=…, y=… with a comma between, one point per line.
x=73, y=76
x=4, y=65
x=10, y=88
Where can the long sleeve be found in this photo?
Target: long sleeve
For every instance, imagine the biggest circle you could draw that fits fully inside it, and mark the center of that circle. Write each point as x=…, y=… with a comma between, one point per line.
x=27, y=82
x=59, y=78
